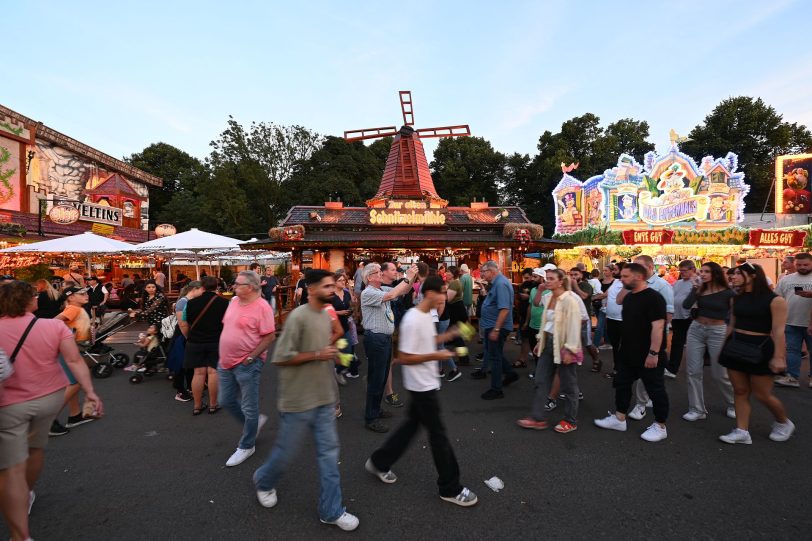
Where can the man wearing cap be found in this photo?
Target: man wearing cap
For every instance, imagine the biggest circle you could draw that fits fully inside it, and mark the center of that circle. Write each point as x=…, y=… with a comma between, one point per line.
x=467, y=288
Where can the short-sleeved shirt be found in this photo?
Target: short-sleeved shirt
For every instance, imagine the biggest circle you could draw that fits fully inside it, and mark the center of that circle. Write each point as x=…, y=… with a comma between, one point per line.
x=586, y=287
x=524, y=289
x=210, y=326
x=614, y=311
x=77, y=320
x=270, y=283
x=309, y=385
x=376, y=314
x=456, y=287
x=536, y=311
x=798, y=308
x=663, y=288
x=301, y=284
x=639, y=311
x=244, y=327
x=417, y=335
x=500, y=297
x=467, y=289
x=37, y=372
x=180, y=305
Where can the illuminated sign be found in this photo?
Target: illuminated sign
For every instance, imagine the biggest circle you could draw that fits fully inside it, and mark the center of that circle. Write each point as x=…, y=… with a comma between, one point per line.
x=102, y=229
x=63, y=214
x=648, y=236
x=406, y=217
x=788, y=239
x=792, y=195
x=669, y=190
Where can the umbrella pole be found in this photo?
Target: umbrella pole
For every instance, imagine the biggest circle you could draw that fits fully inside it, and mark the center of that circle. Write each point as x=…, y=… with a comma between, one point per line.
x=169, y=275
x=89, y=268
x=197, y=266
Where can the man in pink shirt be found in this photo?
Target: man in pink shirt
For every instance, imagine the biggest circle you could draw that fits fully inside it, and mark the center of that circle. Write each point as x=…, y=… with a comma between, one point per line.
x=248, y=331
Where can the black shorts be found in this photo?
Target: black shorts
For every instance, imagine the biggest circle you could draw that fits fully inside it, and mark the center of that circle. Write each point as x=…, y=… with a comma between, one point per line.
x=203, y=355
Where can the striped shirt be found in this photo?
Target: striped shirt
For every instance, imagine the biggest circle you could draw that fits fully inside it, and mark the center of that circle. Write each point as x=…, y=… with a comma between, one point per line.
x=376, y=314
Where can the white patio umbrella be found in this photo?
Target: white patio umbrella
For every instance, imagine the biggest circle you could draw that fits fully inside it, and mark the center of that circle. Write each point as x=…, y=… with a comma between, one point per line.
x=194, y=241
x=86, y=243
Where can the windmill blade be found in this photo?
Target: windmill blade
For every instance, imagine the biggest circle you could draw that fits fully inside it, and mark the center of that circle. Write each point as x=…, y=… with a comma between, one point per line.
x=370, y=133
x=446, y=131
x=406, y=107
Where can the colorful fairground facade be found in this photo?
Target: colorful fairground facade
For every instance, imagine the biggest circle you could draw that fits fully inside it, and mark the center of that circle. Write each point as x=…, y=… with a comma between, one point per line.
x=669, y=207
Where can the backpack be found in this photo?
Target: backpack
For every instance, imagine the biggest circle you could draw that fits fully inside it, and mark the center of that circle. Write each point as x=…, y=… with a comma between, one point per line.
x=168, y=325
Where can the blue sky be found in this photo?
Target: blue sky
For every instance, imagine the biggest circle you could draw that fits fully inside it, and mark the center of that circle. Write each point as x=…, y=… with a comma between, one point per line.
x=121, y=75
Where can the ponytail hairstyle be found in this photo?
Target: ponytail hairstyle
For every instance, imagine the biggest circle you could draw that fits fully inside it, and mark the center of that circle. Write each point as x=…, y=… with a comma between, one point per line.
x=564, y=277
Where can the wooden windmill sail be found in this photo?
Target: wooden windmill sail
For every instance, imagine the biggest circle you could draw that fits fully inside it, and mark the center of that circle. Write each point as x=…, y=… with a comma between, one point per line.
x=406, y=175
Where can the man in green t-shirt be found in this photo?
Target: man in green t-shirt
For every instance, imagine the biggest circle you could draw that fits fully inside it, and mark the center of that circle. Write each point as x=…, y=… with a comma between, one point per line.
x=467, y=288
x=305, y=360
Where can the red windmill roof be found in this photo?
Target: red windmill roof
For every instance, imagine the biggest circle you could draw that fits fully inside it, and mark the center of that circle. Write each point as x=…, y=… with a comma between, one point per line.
x=407, y=175
x=115, y=184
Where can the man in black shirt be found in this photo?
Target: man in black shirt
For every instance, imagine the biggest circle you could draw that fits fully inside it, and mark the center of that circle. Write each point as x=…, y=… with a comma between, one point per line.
x=269, y=285
x=97, y=297
x=641, y=354
x=300, y=295
x=202, y=325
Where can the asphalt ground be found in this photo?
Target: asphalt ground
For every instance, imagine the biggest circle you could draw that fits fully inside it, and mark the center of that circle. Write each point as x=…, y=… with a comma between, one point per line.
x=150, y=470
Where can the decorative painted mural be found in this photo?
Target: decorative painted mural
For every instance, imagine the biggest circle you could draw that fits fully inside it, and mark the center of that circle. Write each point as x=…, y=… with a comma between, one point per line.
x=9, y=174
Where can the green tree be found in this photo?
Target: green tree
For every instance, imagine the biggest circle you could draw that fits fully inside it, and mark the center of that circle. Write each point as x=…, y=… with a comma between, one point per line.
x=468, y=167
x=179, y=170
x=754, y=131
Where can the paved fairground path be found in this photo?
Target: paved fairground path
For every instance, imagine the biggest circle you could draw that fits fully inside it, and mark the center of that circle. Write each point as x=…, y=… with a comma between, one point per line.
x=150, y=470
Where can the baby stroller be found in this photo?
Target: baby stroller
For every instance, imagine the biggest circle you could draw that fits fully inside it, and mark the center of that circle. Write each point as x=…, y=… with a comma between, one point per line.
x=151, y=361
x=101, y=358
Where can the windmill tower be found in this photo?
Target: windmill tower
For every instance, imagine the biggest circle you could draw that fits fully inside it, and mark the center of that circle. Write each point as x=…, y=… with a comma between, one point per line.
x=406, y=175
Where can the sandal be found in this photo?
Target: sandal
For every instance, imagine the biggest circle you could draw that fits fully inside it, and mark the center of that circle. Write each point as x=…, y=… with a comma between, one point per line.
x=519, y=364
x=197, y=411
x=214, y=410
x=597, y=364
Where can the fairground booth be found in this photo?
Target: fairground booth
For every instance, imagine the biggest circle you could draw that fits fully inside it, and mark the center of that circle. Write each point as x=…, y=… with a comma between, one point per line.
x=672, y=209
x=406, y=220
x=52, y=185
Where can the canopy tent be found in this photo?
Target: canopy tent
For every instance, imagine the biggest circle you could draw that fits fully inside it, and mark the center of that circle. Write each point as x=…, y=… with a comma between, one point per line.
x=87, y=243
x=194, y=241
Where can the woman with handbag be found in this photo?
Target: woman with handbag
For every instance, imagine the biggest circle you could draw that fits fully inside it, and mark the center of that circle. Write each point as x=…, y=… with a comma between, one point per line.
x=707, y=335
x=755, y=351
x=559, y=350
x=32, y=392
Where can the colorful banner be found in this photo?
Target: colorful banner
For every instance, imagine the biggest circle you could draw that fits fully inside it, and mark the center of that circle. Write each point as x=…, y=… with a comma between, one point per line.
x=792, y=195
x=772, y=237
x=648, y=236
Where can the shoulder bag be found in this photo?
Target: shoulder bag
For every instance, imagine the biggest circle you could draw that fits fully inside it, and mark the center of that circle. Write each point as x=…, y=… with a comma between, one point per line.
x=744, y=352
x=7, y=363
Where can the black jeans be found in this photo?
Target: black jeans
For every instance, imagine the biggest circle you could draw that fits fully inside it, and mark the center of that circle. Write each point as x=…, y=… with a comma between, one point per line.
x=679, y=328
x=613, y=331
x=424, y=409
x=626, y=374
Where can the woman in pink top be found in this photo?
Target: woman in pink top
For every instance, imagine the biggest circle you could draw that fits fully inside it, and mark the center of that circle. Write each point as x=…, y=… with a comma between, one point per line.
x=31, y=397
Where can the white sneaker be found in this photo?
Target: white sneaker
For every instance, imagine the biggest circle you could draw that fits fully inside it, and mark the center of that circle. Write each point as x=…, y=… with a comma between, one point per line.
x=669, y=374
x=267, y=498
x=239, y=456
x=347, y=522
x=787, y=381
x=637, y=413
x=692, y=416
x=782, y=431
x=611, y=422
x=737, y=435
x=387, y=477
x=730, y=412
x=655, y=433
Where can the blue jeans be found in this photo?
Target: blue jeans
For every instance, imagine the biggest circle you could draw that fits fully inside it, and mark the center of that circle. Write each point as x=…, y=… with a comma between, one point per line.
x=600, y=331
x=245, y=381
x=495, y=358
x=321, y=422
x=796, y=336
x=378, y=348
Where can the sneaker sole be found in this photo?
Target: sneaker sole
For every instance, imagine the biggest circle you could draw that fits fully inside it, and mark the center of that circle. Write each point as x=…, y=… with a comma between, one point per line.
x=455, y=378
x=240, y=462
x=340, y=526
x=529, y=427
x=735, y=442
x=82, y=422
x=455, y=501
x=370, y=467
x=57, y=434
x=566, y=430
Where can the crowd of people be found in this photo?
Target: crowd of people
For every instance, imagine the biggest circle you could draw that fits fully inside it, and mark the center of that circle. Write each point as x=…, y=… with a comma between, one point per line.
x=750, y=332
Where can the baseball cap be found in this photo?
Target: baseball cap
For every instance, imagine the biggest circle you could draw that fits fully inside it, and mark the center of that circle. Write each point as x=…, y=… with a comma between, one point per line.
x=538, y=272
x=463, y=268
x=548, y=266
x=71, y=290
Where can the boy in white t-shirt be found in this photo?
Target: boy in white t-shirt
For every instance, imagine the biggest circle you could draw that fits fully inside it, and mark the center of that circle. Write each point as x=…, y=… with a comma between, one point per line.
x=417, y=352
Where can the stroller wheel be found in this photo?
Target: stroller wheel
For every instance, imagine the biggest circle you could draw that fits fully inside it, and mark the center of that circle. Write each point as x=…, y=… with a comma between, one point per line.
x=102, y=370
x=120, y=360
x=136, y=379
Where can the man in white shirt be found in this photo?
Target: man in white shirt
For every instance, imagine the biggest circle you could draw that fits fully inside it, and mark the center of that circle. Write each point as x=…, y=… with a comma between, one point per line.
x=417, y=352
x=796, y=289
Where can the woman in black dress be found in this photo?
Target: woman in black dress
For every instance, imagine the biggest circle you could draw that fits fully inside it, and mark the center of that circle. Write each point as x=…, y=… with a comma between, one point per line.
x=757, y=323
x=154, y=306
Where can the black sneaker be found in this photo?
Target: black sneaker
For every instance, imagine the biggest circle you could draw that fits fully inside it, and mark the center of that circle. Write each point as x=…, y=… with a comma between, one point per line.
x=454, y=375
x=57, y=429
x=550, y=405
x=478, y=374
x=77, y=420
x=490, y=394
x=377, y=426
x=510, y=378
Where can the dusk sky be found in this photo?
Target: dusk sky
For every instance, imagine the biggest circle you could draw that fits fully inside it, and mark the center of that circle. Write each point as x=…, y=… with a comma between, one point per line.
x=122, y=75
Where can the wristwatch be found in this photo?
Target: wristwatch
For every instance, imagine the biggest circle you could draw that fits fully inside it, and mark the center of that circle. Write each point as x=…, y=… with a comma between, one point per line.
x=249, y=360
x=653, y=353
